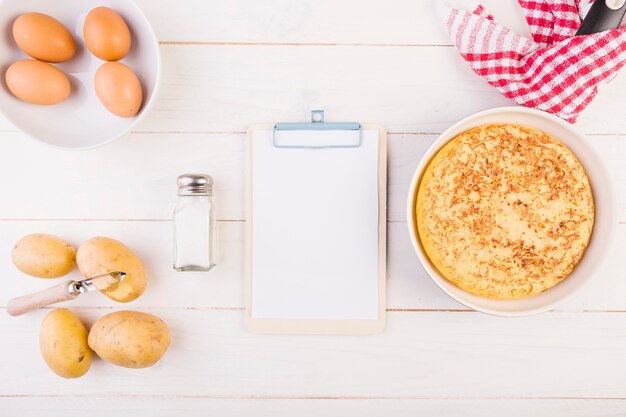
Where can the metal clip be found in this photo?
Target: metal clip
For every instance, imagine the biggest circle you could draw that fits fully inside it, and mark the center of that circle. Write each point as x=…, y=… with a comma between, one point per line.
x=318, y=123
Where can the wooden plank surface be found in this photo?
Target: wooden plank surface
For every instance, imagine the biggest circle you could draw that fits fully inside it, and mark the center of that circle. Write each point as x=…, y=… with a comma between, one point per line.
x=119, y=181
x=395, y=22
x=156, y=406
x=421, y=89
x=424, y=354
x=226, y=65
x=409, y=287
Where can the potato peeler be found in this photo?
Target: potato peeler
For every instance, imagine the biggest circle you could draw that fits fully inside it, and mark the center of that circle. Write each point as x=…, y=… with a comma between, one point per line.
x=603, y=15
x=65, y=291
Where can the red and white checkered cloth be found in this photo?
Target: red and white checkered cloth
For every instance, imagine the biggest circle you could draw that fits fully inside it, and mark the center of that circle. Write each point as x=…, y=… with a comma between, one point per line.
x=554, y=71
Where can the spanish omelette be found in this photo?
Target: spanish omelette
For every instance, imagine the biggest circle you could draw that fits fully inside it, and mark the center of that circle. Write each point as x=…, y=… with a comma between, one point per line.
x=504, y=211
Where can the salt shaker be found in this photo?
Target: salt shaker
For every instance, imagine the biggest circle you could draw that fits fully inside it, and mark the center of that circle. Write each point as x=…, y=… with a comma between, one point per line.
x=194, y=224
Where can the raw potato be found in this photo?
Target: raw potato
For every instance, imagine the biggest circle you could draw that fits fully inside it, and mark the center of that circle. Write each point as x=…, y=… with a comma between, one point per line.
x=101, y=255
x=43, y=256
x=63, y=344
x=130, y=339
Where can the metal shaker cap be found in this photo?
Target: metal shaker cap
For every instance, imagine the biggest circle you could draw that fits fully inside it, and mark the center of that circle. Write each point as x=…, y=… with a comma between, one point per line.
x=195, y=184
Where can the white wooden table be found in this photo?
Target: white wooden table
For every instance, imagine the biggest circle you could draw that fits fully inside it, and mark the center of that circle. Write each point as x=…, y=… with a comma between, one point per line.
x=228, y=64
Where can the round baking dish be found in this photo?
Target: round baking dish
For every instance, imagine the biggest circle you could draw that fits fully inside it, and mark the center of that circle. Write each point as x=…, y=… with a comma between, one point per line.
x=602, y=190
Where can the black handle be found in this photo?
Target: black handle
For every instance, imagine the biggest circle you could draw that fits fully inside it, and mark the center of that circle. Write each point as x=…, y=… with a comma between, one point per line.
x=601, y=17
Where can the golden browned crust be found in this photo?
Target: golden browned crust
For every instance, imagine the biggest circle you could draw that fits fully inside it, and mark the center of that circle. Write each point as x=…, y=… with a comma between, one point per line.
x=505, y=211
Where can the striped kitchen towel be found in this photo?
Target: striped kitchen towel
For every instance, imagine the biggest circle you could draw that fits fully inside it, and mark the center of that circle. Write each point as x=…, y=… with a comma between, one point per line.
x=554, y=71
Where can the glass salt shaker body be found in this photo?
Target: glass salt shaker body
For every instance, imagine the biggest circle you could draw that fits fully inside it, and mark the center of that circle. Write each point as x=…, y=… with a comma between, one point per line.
x=194, y=224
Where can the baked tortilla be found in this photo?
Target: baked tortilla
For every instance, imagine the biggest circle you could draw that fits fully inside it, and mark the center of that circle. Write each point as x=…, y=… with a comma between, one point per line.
x=505, y=211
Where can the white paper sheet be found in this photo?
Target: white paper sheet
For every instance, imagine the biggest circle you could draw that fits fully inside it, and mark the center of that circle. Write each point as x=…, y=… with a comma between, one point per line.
x=315, y=228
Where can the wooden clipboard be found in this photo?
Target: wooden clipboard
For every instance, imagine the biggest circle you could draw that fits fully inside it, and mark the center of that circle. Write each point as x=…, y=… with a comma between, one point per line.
x=322, y=326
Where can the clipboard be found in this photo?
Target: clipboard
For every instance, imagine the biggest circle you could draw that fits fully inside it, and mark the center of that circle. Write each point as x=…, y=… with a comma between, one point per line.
x=316, y=228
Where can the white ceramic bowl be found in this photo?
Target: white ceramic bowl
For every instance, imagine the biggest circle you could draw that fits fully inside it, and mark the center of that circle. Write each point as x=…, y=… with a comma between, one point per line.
x=604, y=211
x=81, y=122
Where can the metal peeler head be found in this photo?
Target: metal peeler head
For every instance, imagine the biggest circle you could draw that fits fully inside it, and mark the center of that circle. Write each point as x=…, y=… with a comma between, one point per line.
x=103, y=282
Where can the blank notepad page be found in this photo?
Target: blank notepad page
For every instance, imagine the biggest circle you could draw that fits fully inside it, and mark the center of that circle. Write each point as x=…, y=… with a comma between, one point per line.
x=315, y=228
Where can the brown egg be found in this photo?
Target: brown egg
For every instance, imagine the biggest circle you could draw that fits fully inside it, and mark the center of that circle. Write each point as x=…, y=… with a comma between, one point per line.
x=37, y=82
x=106, y=34
x=43, y=37
x=118, y=89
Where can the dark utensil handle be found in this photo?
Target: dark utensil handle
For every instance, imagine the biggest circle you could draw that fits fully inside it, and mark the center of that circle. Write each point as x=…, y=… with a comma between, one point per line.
x=601, y=17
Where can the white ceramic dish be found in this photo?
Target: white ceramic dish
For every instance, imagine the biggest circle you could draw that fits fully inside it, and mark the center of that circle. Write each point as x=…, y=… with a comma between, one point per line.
x=81, y=122
x=604, y=212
